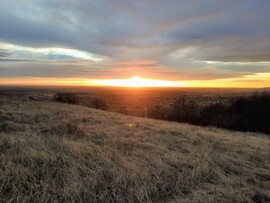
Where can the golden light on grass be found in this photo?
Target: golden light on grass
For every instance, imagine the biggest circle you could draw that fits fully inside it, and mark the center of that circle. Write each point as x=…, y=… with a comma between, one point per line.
x=112, y=160
x=136, y=82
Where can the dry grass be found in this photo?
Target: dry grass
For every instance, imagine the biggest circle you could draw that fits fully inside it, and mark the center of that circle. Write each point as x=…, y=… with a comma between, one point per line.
x=52, y=152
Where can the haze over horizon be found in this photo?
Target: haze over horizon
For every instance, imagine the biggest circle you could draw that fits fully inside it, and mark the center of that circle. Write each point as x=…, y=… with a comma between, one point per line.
x=207, y=43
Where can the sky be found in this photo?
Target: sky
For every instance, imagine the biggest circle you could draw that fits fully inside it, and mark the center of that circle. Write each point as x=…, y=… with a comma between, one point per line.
x=215, y=43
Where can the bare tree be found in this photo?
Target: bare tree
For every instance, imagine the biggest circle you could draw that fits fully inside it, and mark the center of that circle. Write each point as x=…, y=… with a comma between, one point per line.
x=99, y=103
x=58, y=97
x=66, y=97
x=71, y=98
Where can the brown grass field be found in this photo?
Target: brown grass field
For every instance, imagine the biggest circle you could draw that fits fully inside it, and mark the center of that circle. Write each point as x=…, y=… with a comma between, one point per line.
x=52, y=152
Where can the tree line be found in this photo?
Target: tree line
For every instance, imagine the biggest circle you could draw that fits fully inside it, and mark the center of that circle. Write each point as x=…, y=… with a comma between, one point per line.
x=242, y=113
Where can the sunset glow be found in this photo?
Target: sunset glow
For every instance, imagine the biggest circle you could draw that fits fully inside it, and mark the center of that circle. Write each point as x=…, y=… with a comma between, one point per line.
x=142, y=44
x=136, y=82
x=249, y=81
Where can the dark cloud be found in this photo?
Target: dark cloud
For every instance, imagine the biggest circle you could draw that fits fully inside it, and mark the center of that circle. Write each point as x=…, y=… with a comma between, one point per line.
x=17, y=60
x=4, y=53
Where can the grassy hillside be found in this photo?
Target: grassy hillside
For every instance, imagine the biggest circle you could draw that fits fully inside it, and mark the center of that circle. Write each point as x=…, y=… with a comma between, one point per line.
x=63, y=153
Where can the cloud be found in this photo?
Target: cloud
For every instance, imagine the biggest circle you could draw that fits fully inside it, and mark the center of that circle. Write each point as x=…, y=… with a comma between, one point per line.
x=176, y=39
x=4, y=53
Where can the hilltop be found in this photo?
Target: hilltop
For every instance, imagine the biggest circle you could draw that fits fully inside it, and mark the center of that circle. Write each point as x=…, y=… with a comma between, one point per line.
x=68, y=153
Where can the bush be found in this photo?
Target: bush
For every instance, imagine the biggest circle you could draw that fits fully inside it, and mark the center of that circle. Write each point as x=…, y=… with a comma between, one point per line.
x=157, y=112
x=66, y=97
x=99, y=103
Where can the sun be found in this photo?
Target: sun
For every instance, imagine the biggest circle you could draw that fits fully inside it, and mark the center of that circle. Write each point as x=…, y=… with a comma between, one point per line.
x=136, y=82
x=136, y=78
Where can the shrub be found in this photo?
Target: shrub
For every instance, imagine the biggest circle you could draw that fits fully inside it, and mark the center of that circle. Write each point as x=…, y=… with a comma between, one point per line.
x=99, y=103
x=66, y=97
x=157, y=112
x=59, y=97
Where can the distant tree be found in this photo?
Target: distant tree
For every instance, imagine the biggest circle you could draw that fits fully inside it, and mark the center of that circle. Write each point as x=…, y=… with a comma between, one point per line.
x=157, y=112
x=215, y=114
x=251, y=113
x=71, y=98
x=184, y=110
x=99, y=103
x=58, y=97
x=66, y=97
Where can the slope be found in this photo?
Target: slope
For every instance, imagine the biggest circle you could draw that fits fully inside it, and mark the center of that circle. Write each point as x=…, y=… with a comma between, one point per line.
x=65, y=153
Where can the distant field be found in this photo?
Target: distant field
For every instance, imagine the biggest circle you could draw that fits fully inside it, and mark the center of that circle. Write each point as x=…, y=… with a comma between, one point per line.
x=52, y=152
x=134, y=101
